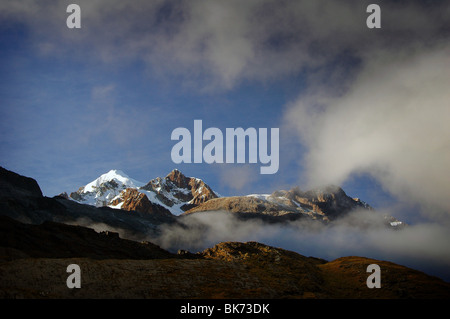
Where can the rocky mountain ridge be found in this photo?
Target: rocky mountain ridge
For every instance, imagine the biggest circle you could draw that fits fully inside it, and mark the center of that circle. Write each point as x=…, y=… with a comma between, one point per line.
x=173, y=194
x=178, y=195
x=325, y=204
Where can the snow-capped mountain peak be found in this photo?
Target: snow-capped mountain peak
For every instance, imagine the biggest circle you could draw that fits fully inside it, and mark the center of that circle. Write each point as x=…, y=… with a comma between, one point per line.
x=105, y=188
x=115, y=175
x=175, y=192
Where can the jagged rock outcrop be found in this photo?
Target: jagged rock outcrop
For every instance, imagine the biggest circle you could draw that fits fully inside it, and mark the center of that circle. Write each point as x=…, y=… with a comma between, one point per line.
x=324, y=204
x=178, y=190
x=133, y=200
x=200, y=192
x=249, y=207
x=330, y=201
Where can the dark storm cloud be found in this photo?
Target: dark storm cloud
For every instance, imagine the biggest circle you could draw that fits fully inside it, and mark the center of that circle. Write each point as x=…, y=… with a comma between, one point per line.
x=220, y=43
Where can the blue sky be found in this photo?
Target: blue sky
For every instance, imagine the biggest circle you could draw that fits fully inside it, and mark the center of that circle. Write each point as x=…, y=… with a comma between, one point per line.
x=75, y=103
x=70, y=120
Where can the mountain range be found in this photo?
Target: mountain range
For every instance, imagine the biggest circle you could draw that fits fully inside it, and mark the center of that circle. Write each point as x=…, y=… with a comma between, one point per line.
x=173, y=194
x=178, y=195
x=40, y=236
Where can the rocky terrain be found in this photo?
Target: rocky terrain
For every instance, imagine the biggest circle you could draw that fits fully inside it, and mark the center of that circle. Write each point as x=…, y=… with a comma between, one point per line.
x=323, y=204
x=133, y=200
x=176, y=188
x=41, y=236
x=173, y=194
x=179, y=195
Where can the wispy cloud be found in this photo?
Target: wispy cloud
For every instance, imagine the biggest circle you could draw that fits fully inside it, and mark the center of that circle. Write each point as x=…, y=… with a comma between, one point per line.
x=421, y=247
x=219, y=44
x=391, y=123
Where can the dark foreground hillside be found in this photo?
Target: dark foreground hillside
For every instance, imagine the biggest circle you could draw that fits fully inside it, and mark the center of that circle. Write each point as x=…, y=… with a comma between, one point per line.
x=34, y=260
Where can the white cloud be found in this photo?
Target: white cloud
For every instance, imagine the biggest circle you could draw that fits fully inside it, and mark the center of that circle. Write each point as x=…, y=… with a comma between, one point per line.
x=392, y=123
x=361, y=233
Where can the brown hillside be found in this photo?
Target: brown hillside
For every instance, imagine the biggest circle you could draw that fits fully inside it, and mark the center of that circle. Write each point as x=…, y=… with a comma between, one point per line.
x=227, y=270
